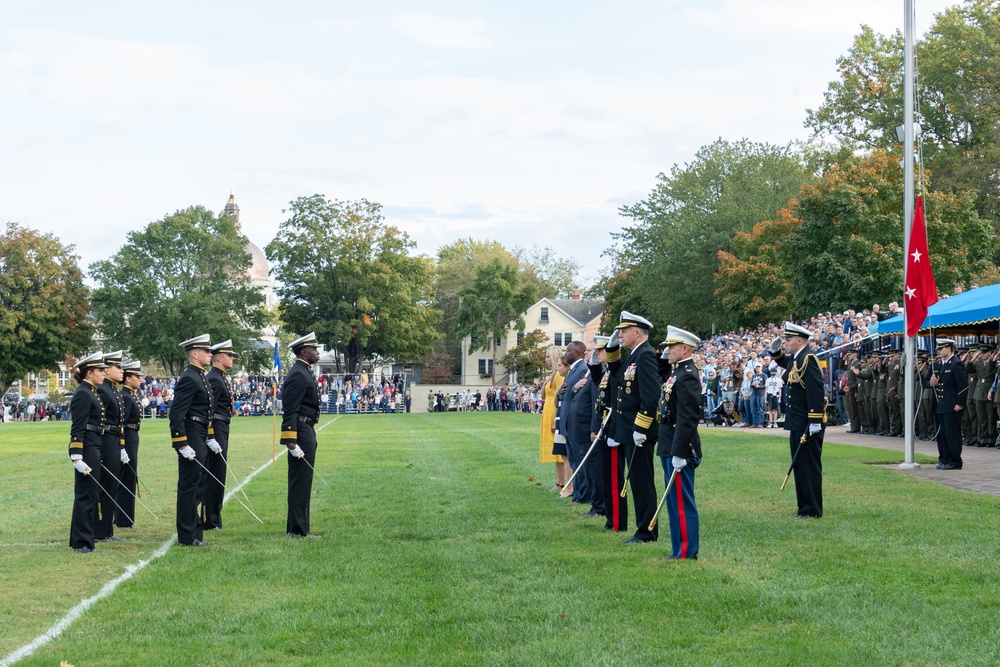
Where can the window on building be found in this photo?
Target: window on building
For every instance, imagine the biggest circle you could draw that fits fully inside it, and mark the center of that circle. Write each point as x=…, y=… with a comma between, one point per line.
x=544, y=316
x=557, y=339
x=486, y=367
x=567, y=338
x=497, y=341
x=520, y=337
x=473, y=341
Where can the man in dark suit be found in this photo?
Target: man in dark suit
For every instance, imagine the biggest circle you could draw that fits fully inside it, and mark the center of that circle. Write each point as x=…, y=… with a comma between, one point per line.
x=679, y=448
x=222, y=400
x=300, y=405
x=635, y=414
x=571, y=423
x=805, y=418
x=579, y=398
x=950, y=383
x=190, y=428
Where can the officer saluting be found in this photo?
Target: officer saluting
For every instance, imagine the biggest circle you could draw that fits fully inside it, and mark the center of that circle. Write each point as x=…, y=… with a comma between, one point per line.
x=300, y=410
x=131, y=418
x=805, y=417
x=950, y=382
x=85, y=449
x=612, y=460
x=638, y=392
x=190, y=429
x=680, y=445
x=222, y=400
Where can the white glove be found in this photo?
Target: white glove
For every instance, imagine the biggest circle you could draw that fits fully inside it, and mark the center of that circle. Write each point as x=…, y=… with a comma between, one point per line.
x=187, y=452
x=775, y=345
x=297, y=452
x=638, y=438
x=593, y=359
x=125, y=458
x=615, y=340
x=214, y=445
x=81, y=467
x=663, y=355
x=814, y=429
x=678, y=462
x=612, y=442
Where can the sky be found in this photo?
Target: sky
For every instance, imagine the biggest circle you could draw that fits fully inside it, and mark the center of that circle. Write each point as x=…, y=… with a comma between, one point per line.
x=523, y=122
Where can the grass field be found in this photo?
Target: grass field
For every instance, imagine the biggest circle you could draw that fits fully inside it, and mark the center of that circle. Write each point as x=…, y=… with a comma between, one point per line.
x=457, y=553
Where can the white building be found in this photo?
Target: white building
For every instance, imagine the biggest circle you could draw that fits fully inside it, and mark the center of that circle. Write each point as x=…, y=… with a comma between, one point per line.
x=562, y=320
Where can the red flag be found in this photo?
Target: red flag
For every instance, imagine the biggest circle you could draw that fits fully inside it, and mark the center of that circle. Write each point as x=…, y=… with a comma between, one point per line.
x=920, y=290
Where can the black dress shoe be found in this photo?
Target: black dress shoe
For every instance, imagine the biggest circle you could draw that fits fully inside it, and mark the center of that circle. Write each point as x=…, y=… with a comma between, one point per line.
x=112, y=538
x=694, y=557
x=939, y=466
x=593, y=513
x=805, y=516
x=199, y=543
x=950, y=466
x=854, y=431
x=83, y=550
x=635, y=540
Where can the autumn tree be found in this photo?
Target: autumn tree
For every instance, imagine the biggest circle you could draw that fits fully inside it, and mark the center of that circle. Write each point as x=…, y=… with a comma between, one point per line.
x=350, y=277
x=43, y=304
x=752, y=282
x=181, y=276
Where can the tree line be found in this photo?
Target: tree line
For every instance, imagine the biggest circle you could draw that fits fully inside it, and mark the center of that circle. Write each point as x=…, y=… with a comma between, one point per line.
x=743, y=233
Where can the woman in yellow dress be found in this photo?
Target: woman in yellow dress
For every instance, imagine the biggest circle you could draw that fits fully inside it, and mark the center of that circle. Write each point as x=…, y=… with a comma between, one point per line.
x=549, y=393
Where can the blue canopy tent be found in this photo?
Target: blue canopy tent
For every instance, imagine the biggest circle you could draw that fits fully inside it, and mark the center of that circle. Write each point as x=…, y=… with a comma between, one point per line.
x=972, y=313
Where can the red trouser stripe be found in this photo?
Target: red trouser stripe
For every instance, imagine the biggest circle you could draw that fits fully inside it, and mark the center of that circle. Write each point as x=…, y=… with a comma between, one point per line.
x=615, y=491
x=681, y=518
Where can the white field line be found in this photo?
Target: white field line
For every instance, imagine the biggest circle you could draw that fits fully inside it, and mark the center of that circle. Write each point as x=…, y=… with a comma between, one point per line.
x=76, y=612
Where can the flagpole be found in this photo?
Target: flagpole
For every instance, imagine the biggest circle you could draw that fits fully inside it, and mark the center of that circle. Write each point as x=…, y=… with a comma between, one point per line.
x=908, y=142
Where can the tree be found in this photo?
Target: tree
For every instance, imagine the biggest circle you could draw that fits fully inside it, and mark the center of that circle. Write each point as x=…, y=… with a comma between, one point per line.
x=349, y=277
x=959, y=98
x=692, y=214
x=181, y=276
x=456, y=267
x=527, y=359
x=43, y=304
x=492, y=305
x=752, y=282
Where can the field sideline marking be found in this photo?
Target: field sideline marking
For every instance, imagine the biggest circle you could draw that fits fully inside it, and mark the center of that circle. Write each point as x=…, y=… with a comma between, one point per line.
x=60, y=626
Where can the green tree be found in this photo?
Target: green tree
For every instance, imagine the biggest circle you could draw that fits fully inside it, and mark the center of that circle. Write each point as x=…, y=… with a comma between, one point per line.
x=181, y=276
x=43, y=304
x=553, y=276
x=349, y=277
x=959, y=98
x=527, y=359
x=492, y=305
x=848, y=249
x=692, y=214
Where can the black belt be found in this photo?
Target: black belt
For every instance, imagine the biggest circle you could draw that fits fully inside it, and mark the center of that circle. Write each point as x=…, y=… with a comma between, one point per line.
x=134, y=427
x=225, y=419
x=112, y=429
x=200, y=420
x=308, y=420
x=95, y=429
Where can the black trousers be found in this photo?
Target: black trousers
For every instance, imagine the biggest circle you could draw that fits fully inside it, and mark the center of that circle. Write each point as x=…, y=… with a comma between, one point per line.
x=125, y=517
x=613, y=478
x=595, y=478
x=111, y=459
x=642, y=480
x=191, y=486
x=300, y=478
x=949, y=439
x=85, y=492
x=807, y=469
x=214, y=491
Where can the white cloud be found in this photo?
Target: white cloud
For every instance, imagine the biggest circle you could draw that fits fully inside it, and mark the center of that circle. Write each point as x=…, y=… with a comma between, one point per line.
x=442, y=33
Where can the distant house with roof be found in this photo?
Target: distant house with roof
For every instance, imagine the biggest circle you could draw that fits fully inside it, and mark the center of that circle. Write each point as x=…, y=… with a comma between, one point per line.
x=562, y=320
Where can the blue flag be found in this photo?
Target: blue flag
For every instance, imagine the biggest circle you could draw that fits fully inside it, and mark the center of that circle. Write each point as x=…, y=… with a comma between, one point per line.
x=277, y=359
